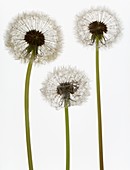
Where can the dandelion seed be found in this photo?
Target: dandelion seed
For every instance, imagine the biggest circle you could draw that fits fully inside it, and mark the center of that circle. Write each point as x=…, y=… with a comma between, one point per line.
x=34, y=30
x=98, y=22
x=66, y=86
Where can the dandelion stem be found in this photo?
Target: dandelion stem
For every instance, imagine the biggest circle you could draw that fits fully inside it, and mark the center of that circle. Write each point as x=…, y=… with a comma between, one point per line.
x=26, y=100
x=99, y=107
x=67, y=138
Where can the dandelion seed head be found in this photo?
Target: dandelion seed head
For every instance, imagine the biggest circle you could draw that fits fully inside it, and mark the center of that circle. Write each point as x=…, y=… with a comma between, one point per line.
x=34, y=30
x=97, y=22
x=65, y=85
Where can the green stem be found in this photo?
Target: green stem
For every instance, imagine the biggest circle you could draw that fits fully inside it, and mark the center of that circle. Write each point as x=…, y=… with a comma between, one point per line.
x=26, y=100
x=67, y=139
x=99, y=107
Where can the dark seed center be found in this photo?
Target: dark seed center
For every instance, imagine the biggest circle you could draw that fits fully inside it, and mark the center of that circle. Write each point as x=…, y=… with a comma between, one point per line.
x=67, y=88
x=97, y=28
x=34, y=38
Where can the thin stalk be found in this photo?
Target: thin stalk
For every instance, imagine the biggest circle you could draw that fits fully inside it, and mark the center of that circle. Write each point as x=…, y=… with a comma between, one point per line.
x=67, y=138
x=26, y=104
x=99, y=107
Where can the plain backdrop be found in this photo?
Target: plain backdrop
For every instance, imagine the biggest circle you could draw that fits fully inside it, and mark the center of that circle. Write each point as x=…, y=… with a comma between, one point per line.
x=48, y=124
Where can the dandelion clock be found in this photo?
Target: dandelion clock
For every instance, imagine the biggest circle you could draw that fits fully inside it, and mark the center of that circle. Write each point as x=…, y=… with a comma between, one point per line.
x=97, y=27
x=33, y=38
x=63, y=88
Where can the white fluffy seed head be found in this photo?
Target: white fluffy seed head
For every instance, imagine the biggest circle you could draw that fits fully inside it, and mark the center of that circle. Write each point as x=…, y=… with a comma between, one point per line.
x=25, y=22
x=103, y=15
x=66, y=75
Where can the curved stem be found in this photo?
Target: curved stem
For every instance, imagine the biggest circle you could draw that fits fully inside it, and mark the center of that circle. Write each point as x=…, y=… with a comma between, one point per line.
x=99, y=107
x=26, y=100
x=67, y=138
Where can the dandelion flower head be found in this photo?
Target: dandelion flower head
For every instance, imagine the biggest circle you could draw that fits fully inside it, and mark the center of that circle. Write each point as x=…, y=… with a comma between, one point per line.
x=97, y=23
x=30, y=31
x=66, y=85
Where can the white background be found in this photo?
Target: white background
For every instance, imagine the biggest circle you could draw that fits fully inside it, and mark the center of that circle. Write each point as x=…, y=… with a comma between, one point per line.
x=47, y=124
